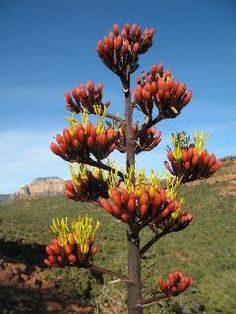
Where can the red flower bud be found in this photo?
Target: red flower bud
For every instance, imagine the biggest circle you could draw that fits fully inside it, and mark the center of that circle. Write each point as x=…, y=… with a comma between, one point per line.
x=126, y=45
x=110, y=134
x=115, y=29
x=69, y=186
x=69, y=195
x=171, y=280
x=90, y=142
x=127, y=28
x=76, y=144
x=110, y=43
x=59, y=139
x=63, y=147
x=93, y=251
x=211, y=160
x=68, y=249
x=180, y=91
x=159, y=69
x=186, y=98
x=90, y=86
x=185, y=282
x=117, y=42
x=117, y=200
x=116, y=210
x=49, y=250
x=170, y=155
x=52, y=258
x=216, y=166
x=56, y=249
x=135, y=48
x=125, y=218
x=138, y=93
x=153, y=88
x=144, y=198
x=157, y=200
x=55, y=149
x=151, y=32
x=146, y=95
x=190, y=153
x=99, y=88
x=167, y=96
x=169, y=84
x=163, y=286
x=195, y=159
x=102, y=139
x=143, y=210
x=106, y=205
x=60, y=259
x=72, y=259
x=184, y=155
x=48, y=262
x=131, y=206
x=67, y=136
x=67, y=98
x=124, y=197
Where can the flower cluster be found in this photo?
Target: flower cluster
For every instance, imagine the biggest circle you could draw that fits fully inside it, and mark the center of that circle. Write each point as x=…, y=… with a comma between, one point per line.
x=175, y=284
x=83, y=139
x=148, y=139
x=145, y=204
x=122, y=48
x=74, y=243
x=87, y=98
x=88, y=183
x=191, y=161
x=160, y=88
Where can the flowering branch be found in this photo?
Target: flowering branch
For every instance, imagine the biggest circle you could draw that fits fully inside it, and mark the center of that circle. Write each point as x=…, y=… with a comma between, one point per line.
x=148, y=125
x=98, y=269
x=114, y=118
x=151, y=242
x=150, y=301
x=138, y=202
x=100, y=165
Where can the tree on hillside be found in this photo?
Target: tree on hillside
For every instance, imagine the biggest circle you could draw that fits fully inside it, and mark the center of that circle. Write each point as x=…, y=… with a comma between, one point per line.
x=129, y=196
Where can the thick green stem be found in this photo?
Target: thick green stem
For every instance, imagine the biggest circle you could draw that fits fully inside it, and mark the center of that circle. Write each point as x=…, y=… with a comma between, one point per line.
x=134, y=257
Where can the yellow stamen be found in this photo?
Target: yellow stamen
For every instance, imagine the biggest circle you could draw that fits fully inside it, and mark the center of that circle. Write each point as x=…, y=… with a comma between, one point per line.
x=72, y=123
x=84, y=232
x=172, y=184
x=60, y=228
x=128, y=181
x=200, y=139
x=179, y=141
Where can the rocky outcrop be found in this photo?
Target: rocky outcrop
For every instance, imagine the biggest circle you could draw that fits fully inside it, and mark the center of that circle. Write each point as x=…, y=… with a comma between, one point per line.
x=40, y=187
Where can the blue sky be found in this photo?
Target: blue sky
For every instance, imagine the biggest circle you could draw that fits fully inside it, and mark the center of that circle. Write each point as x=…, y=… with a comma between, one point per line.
x=48, y=47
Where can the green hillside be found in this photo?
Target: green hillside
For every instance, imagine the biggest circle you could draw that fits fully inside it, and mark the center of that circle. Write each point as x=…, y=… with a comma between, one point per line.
x=205, y=250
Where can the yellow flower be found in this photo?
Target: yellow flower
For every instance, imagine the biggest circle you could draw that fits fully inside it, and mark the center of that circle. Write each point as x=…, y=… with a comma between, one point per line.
x=61, y=229
x=200, y=139
x=84, y=232
x=179, y=141
x=172, y=184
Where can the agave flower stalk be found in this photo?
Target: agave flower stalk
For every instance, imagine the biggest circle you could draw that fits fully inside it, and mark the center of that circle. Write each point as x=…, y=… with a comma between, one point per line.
x=132, y=198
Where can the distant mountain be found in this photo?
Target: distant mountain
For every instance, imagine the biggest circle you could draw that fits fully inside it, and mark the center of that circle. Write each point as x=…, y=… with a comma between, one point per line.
x=40, y=187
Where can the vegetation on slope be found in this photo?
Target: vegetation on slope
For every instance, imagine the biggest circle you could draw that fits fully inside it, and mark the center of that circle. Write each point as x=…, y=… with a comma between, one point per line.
x=205, y=250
